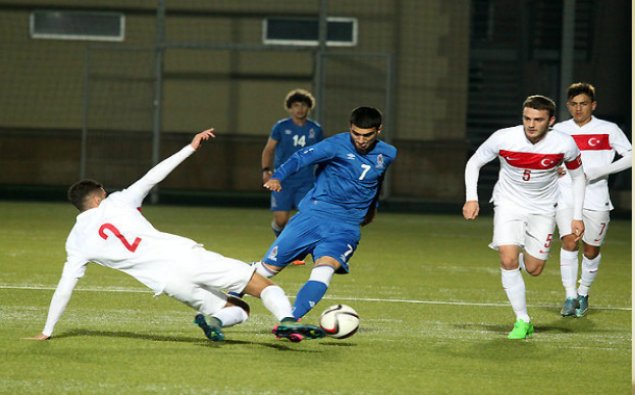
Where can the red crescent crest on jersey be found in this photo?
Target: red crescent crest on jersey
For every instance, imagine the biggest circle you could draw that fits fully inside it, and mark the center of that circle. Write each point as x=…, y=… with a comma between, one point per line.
x=531, y=160
x=592, y=142
x=546, y=162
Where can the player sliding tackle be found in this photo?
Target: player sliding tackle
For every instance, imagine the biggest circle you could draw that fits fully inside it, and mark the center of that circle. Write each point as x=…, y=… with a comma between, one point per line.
x=112, y=232
x=525, y=197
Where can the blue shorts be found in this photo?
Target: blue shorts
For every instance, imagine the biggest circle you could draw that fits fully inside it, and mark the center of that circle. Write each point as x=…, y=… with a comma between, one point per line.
x=318, y=235
x=290, y=196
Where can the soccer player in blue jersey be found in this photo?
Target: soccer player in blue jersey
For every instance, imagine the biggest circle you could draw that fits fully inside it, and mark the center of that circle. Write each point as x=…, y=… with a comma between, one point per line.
x=287, y=136
x=350, y=170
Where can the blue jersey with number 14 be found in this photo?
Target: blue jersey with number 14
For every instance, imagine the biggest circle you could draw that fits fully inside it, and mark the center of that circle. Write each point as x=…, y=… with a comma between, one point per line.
x=291, y=138
x=347, y=181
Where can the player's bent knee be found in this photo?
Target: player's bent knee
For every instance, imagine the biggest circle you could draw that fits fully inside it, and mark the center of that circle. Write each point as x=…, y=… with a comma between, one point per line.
x=534, y=266
x=591, y=252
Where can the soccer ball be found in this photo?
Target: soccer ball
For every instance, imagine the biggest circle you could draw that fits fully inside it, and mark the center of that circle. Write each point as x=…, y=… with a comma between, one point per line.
x=339, y=321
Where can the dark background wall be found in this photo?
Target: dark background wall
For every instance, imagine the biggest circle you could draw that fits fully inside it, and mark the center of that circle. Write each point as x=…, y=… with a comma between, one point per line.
x=446, y=74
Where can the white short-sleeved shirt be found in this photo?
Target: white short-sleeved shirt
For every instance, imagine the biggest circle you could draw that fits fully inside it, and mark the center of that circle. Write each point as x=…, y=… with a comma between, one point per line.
x=528, y=172
x=598, y=141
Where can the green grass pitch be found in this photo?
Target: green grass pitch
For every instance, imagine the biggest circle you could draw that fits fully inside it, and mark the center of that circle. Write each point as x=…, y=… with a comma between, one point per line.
x=434, y=317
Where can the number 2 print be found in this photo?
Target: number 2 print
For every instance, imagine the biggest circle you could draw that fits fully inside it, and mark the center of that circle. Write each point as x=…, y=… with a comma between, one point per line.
x=113, y=229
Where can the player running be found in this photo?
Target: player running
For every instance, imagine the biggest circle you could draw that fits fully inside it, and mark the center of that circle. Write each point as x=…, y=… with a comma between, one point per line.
x=525, y=197
x=288, y=136
x=351, y=168
x=598, y=141
x=112, y=232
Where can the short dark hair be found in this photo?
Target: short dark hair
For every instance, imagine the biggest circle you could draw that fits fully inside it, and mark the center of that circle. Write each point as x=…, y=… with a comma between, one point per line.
x=366, y=117
x=80, y=191
x=540, y=102
x=299, y=96
x=581, y=88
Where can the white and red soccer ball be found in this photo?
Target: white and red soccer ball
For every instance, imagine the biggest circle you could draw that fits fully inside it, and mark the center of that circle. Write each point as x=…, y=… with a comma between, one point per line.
x=339, y=321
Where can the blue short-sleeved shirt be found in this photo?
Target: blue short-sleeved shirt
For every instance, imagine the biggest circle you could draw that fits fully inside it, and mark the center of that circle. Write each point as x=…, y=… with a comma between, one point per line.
x=291, y=138
x=347, y=184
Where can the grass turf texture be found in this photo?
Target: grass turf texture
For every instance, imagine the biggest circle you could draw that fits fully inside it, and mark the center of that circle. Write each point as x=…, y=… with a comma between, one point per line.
x=434, y=317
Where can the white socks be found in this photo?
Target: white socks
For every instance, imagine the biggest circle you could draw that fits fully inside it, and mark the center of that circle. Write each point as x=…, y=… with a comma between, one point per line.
x=231, y=315
x=322, y=274
x=274, y=299
x=514, y=287
x=589, y=272
x=569, y=272
x=263, y=271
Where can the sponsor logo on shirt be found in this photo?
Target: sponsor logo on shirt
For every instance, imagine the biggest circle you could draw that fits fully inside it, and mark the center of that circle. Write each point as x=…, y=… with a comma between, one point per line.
x=350, y=156
x=380, y=162
x=287, y=131
x=273, y=255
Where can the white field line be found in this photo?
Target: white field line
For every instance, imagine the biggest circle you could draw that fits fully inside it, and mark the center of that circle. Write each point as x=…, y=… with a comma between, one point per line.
x=355, y=299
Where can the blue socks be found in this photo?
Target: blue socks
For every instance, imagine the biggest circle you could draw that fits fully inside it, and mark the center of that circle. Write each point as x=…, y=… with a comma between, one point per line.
x=308, y=296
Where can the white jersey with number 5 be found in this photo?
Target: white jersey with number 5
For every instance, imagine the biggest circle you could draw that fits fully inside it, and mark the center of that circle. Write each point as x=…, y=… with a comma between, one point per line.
x=598, y=141
x=528, y=172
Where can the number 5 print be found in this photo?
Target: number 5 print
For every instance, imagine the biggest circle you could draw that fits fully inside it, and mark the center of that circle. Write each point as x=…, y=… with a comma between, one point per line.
x=131, y=247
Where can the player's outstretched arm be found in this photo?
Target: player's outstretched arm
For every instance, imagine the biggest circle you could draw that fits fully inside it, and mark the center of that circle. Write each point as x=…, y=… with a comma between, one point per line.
x=202, y=136
x=136, y=192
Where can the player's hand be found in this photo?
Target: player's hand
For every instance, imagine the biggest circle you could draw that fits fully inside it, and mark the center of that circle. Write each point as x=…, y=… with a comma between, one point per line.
x=273, y=185
x=577, y=229
x=266, y=176
x=562, y=171
x=202, y=136
x=470, y=209
x=41, y=336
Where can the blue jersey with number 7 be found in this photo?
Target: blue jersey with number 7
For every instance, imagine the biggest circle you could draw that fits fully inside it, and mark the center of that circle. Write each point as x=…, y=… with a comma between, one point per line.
x=347, y=182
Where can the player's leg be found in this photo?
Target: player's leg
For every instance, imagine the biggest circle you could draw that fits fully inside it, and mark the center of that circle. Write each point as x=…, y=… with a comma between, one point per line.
x=209, y=273
x=295, y=242
x=568, y=261
x=214, y=310
x=315, y=288
x=281, y=206
x=211, y=320
x=336, y=246
x=280, y=219
x=537, y=242
x=298, y=195
x=508, y=237
x=514, y=286
x=596, y=225
x=275, y=300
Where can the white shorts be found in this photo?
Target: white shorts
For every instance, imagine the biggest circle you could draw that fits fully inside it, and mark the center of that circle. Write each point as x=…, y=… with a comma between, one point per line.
x=533, y=232
x=596, y=224
x=200, y=280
